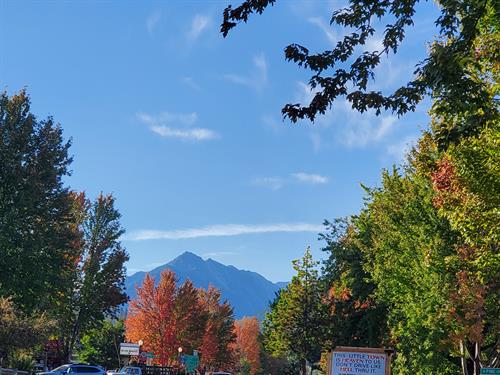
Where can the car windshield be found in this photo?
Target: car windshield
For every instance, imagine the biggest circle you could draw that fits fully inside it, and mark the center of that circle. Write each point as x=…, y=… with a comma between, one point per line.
x=61, y=368
x=130, y=370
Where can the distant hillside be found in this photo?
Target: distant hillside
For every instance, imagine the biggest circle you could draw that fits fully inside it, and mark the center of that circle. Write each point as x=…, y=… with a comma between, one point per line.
x=248, y=292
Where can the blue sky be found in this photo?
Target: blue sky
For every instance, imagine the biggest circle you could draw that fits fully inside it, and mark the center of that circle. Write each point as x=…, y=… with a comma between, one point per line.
x=184, y=127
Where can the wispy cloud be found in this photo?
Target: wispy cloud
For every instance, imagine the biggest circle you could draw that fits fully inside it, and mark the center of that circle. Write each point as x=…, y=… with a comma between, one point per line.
x=310, y=178
x=276, y=182
x=273, y=183
x=166, y=124
x=197, y=134
x=199, y=24
x=325, y=27
x=168, y=117
x=190, y=82
x=257, y=79
x=152, y=21
x=223, y=230
x=349, y=127
x=217, y=254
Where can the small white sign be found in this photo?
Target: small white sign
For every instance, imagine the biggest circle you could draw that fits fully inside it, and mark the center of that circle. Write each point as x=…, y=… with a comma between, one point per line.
x=127, y=348
x=358, y=363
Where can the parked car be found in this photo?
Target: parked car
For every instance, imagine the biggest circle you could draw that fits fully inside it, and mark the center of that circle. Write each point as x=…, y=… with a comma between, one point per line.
x=75, y=368
x=127, y=370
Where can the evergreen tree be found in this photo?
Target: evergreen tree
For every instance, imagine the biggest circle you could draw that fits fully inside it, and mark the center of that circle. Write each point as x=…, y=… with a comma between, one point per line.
x=295, y=326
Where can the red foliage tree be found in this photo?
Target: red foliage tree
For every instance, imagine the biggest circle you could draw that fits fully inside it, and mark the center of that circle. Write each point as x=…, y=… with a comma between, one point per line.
x=151, y=317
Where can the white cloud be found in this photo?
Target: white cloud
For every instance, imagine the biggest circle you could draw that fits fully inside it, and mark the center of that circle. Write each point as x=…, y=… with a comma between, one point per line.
x=326, y=28
x=273, y=183
x=168, y=117
x=310, y=178
x=152, y=21
x=257, y=79
x=223, y=230
x=197, y=134
x=189, y=81
x=199, y=24
x=217, y=254
x=349, y=127
x=166, y=124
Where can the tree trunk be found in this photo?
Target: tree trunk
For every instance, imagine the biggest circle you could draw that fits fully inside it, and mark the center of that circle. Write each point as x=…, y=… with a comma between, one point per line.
x=477, y=358
x=303, y=365
x=463, y=360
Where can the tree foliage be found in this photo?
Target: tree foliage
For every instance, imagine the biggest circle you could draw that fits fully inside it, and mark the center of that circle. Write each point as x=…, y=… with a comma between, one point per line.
x=294, y=328
x=355, y=316
x=448, y=74
x=19, y=331
x=166, y=317
x=36, y=217
x=96, y=287
x=247, y=344
x=101, y=345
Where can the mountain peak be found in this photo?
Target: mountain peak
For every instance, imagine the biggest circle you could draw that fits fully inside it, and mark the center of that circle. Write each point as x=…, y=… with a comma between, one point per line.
x=188, y=256
x=248, y=292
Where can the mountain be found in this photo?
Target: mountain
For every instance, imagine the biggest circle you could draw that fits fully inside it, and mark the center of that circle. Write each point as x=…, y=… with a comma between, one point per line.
x=248, y=292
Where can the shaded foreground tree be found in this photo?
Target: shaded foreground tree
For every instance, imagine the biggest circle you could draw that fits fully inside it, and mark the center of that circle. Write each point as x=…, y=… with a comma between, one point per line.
x=36, y=215
x=448, y=73
x=355, y=316
x=19, y=331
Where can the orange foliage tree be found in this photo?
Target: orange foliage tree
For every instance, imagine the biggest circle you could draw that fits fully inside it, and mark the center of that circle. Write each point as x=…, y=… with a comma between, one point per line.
x=247, y=344
x=151, y=317
x=166, y=317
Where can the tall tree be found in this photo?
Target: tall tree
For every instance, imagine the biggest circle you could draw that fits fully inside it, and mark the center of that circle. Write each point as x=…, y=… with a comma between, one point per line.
x=356, y=317
x=97, y=287
x=36, y=216
x=295, y=325
x=346, y=70
x=247, y=343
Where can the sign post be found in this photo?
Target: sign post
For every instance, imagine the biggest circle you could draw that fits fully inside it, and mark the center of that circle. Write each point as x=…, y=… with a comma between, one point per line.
x=128, y=348
x=493, y=371
x=345, y=360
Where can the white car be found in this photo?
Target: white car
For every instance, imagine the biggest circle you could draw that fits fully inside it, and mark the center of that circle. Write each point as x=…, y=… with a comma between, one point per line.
x=127, y=370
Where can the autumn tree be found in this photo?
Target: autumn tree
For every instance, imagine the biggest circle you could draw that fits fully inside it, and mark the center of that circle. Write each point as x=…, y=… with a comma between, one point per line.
x=191, y=317
x=96, y=288
x=151, y=317
x=219, y=336
x=247, y=344
x=36, y=216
